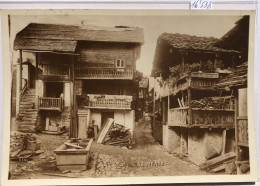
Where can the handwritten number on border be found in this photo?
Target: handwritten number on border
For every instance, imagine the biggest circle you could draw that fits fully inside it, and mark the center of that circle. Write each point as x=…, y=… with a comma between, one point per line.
x=201, y=4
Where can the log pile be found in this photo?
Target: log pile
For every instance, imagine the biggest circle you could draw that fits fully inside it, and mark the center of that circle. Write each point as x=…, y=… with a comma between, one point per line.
x=219, y=163
x=209, y=103
x=226, y=163
x=118, y=135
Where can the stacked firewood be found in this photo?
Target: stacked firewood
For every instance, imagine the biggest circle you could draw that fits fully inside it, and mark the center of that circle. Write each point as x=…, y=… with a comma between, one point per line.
x=23, y=146
x=18, y=142
x=119, y=136
x=209, y=103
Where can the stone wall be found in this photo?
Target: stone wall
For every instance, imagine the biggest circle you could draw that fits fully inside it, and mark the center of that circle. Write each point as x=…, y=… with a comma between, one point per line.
x=201, y=142
x=172, y=139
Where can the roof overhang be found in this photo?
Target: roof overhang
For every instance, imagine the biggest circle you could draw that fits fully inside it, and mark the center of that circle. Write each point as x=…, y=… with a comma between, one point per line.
x=64, y=46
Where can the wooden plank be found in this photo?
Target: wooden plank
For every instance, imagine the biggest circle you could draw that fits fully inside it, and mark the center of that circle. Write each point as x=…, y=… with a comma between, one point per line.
x=218, y=169
x=60, y=175
x=100, y=131
x=179, y=103
x=89, y=144
x=104, y=132
x=72, y=145
x=218, y=160
x=242, y=117
x=242, y=162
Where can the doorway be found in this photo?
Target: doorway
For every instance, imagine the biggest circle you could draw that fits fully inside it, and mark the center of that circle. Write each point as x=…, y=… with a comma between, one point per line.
x=53, y=89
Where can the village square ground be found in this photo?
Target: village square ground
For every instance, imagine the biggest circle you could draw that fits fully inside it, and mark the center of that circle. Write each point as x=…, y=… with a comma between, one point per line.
x=146, y=158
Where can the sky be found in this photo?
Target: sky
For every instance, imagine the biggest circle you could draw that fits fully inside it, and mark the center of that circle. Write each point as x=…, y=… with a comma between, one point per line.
x=153, y=26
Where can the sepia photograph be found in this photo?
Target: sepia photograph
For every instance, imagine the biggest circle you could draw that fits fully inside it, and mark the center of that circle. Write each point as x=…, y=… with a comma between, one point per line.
x=106, y=95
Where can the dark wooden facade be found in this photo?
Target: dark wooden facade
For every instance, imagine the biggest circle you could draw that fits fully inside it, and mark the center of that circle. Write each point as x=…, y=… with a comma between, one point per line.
x=75, y=65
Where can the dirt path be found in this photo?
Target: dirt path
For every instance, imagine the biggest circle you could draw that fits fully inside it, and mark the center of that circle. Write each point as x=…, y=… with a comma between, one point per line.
x=146, y=158
x=153, y=160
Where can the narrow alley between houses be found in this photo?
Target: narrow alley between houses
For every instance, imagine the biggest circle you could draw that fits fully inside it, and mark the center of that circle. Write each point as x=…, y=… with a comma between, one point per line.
x=146, y=158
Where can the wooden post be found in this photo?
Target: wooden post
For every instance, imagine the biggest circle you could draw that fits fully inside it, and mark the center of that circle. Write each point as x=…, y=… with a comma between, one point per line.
x=153, y=106
x=75, y=124
x=21, y=70
x=75, y=101
x=224, y=134
x=236, y=131
x=189, y=107
x=71, y=110
x=36, y=65
x=168, y=110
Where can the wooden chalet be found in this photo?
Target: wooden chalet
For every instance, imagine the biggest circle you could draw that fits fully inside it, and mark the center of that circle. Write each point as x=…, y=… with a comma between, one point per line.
x=198, y=119
x=83, y=75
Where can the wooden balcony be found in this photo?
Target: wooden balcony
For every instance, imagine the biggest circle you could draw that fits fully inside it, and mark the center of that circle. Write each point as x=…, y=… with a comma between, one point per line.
x=53, y=72
x=96, y=101
x=49, y=103
x=202, y=118
x=103, y=73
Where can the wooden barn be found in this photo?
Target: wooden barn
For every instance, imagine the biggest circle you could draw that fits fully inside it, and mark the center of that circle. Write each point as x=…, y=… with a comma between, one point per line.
x=81, y=76
x=203, y=93
x=237, y=38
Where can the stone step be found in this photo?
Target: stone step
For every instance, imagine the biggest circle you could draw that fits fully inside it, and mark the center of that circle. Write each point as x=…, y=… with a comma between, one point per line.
x=31, y=110
x=28, y=113
x=28, y=123
x=27, y=119
x=28, y=100
x=26, y=103
x=23, y=112
x=30, y=117
x=29, y=96
x=31, y=91
x=27, y=128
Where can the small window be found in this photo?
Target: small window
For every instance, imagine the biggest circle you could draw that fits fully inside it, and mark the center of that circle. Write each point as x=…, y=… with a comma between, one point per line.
x=120, y=63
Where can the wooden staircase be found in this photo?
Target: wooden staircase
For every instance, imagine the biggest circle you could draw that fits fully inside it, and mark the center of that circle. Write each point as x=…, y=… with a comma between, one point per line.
x=28, y=114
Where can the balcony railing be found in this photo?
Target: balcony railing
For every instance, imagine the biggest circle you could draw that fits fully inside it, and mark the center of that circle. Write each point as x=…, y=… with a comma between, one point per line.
x=48, y=103
x=53, y=72
x=103, y=73
x=204, y=118
x=107, y=101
